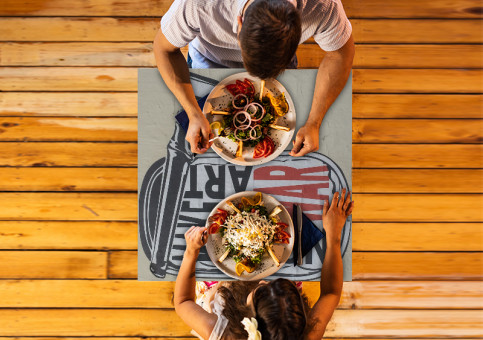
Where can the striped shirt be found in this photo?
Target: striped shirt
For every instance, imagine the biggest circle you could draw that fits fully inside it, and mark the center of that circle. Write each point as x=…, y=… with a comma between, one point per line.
x=210, y=28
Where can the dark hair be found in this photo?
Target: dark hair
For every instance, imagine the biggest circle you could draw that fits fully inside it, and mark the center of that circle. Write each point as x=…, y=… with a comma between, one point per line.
x=235, y=295
x=269, y=37
x=280, y=310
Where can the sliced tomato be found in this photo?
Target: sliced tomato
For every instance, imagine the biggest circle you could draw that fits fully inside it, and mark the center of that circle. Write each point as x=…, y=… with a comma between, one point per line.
x=270, y=146
x=251, y=88
x=283, y=234
x=259, y=149
x=281, y=226
x=285, y=240
x=242, y=86
x=222, y=212
x=233, y=89
x=213, y=228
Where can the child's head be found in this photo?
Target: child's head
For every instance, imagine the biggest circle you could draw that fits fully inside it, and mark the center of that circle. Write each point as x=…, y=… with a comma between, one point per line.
x=280, y=310
x=278, y=306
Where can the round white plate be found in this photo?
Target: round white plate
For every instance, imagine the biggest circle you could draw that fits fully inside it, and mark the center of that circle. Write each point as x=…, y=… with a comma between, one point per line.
x=219, y=98
x=266, y=267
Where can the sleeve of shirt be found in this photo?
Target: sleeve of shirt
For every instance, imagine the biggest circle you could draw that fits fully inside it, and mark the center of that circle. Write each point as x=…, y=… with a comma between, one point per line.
x=180, y=24
x=334, y=31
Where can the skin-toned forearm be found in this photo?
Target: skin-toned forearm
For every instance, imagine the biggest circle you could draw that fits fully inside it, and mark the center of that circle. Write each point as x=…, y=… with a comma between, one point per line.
x=184, y=289
x=332, y=270
x=173, y=68
x=331, y=78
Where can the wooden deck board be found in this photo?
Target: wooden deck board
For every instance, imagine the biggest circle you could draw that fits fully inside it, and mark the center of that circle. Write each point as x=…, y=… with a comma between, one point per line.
x=134, y=294
x=353, y=8
x=147, y=322
x=365, y=265
x=135, y=29
x=125, y=179
x=310, y=55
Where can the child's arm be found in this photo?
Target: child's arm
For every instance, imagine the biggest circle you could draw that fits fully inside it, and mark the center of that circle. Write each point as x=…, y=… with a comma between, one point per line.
x=332, y=272
x=184, y=292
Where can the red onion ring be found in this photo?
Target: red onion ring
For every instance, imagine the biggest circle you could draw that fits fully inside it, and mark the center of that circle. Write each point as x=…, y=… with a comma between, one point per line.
x=252, y=114
x=244, y=123
x=238, y=138
x=254, y=128
x=235, y=98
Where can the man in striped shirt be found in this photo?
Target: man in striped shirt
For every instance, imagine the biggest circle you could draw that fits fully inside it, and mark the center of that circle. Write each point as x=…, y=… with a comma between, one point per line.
x=262, y=36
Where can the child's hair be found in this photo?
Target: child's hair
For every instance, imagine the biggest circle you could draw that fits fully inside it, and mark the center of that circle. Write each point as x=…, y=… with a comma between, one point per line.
x=280, y=309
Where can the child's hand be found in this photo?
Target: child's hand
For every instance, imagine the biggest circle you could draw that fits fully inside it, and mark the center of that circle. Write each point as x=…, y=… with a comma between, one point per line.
x=196, y=238
x=333, y=218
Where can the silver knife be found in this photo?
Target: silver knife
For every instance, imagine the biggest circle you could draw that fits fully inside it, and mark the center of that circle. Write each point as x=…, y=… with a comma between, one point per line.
x=300, y=226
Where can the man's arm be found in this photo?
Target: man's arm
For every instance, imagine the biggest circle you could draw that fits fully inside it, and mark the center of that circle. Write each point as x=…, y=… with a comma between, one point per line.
x=174, y=70
x=332, y=76
x=331, y=278
x=184, y=292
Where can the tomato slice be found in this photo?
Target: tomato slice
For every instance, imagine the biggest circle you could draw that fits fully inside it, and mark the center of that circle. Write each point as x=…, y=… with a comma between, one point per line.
x=283, y=234
x=259, y=149
x=270, y=146
x=251, y=88
x=233, y=89
x=213, y=228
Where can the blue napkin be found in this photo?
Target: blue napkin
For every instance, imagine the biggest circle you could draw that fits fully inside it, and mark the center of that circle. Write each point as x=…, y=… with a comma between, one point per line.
x=311, y=235
x=182, y=117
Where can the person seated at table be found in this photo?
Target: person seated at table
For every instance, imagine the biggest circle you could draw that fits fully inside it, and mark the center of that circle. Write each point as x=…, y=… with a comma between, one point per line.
x=263, y=310
x=262, y=36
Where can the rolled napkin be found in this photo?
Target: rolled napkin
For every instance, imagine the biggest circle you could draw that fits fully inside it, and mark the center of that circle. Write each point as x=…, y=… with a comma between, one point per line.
x=311, y=235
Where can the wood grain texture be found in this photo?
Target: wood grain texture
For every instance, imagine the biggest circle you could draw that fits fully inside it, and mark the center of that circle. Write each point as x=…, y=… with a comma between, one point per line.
x=52, y=265
x=423, y=131
x=122, y=264
x=399, y=56
x=417, y=181
x=134, y=294
x=417, y=106
x=413, y=31
x=418, y=208
x=125, y=104
x=89, y=104
x=417, y=237
x=353, y=8
x=416, y=81
x=125, y=79
x=417, y=156
x=416, y=266
x=43, y=154
x=68, y=79
x=365, y=265
x=68, y=179
x=67, y=235
x=147, y=322
x=309, y=55
x=125, y=179
x=106, y=29
x=68, y=206
x=68, y=129
x=123, y=207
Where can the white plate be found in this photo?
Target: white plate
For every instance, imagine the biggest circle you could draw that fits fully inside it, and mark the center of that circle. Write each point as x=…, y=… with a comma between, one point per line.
x=266, y=267
x=219, y=98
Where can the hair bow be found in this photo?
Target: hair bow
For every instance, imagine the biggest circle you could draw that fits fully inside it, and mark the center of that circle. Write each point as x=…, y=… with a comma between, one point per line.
x=251, y=326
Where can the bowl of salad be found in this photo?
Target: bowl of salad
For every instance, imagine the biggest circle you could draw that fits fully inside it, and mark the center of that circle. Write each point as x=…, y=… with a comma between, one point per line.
x=254, y=120
x=251, y=235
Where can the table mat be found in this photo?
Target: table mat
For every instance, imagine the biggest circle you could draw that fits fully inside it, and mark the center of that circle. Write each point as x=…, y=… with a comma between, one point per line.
x=180, y=189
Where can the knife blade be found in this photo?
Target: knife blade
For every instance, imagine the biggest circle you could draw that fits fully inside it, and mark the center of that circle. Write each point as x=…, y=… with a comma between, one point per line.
x=299, y=241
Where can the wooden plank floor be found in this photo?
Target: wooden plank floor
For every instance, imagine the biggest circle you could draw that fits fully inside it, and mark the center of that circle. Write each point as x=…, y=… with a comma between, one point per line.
x=68, y=179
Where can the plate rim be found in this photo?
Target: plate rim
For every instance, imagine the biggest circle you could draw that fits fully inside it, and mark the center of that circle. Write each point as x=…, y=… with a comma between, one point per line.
x=279, y=150
x=290, y=246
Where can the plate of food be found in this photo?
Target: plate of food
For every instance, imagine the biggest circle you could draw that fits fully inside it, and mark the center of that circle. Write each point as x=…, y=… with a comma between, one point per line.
x=253, y=120
x=250, y=235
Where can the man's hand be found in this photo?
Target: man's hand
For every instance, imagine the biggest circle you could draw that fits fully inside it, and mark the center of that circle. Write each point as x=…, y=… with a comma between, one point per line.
x=196, y=237
x=333, y=218
x=199, y=133
x=307, y=140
